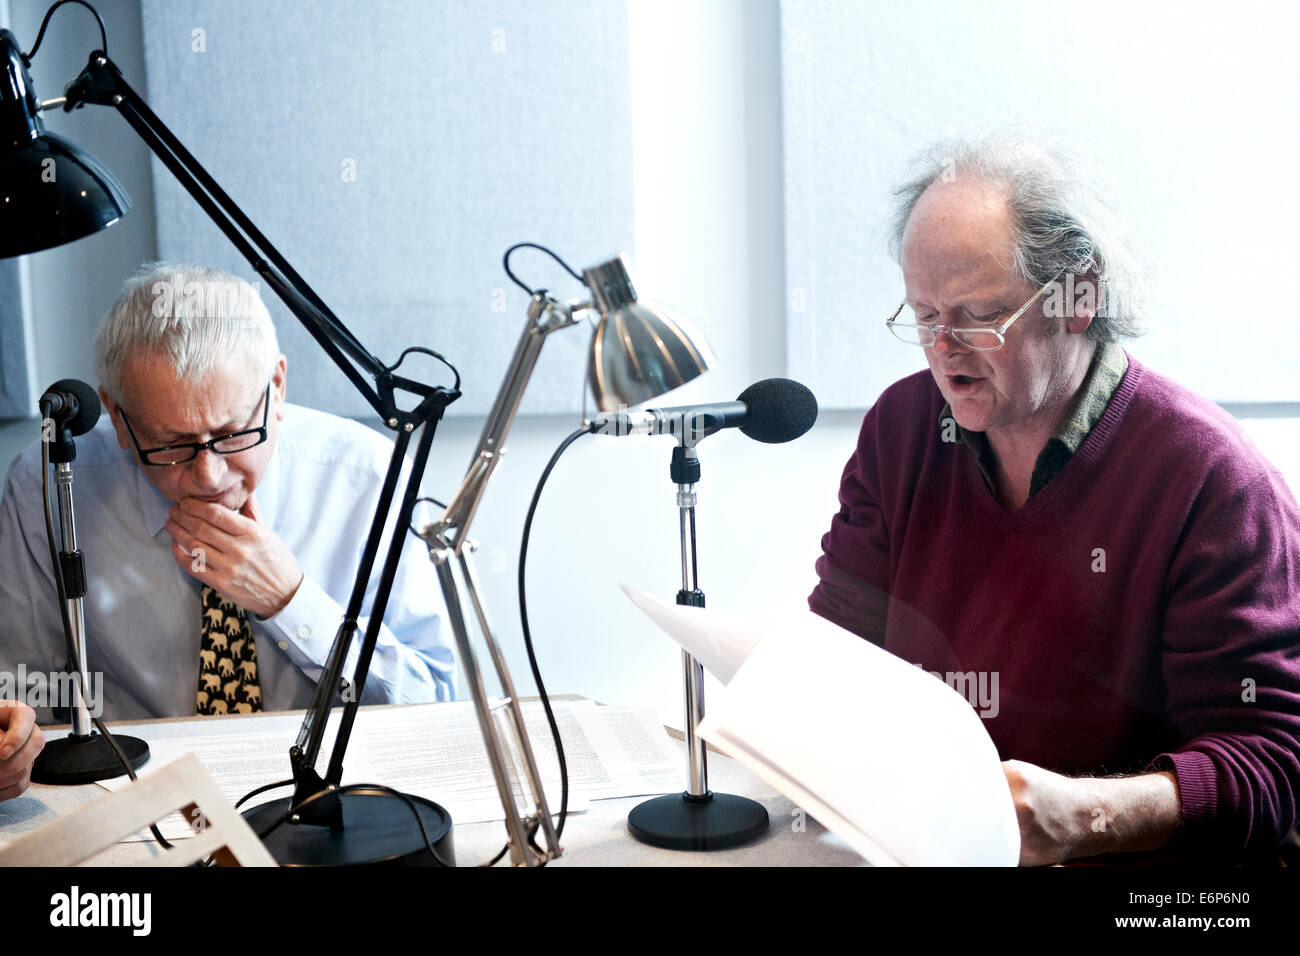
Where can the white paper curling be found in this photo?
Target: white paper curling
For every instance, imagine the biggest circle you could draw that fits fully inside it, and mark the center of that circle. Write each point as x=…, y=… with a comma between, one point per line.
x=891, y=759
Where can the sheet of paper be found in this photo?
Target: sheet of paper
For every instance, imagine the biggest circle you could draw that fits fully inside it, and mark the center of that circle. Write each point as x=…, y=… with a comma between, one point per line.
x=719, y=640
x=438, y=753
x=630, y=754
x=892, y=760
x=434, y=751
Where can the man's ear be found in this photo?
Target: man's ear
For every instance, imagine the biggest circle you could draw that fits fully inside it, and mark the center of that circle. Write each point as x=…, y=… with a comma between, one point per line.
x=278, y=380
x=115, y=413
x=1081, y=310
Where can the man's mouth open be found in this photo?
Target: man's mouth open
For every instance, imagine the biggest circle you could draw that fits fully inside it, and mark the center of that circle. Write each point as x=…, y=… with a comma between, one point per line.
x=963, y=384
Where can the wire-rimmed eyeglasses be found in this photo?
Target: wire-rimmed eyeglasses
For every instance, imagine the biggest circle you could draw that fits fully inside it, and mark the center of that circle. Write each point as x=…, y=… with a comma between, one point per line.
x=979, y=339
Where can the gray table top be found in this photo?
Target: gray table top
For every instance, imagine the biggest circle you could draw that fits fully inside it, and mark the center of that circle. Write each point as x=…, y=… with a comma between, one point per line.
x=596, y=837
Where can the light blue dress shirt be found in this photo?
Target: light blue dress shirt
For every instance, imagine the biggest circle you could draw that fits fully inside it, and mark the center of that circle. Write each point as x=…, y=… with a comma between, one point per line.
x=142, y=609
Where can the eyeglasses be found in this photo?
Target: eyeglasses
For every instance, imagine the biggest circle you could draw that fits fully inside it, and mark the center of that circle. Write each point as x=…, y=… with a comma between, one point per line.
x=925, y=334
x=222, y=444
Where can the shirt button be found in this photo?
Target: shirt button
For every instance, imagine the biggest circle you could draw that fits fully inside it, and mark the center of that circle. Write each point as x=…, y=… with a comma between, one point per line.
x=304, y=631
x=284, y=645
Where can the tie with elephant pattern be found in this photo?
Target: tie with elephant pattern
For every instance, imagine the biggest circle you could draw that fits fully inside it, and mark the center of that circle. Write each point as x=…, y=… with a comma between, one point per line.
x=227, y=659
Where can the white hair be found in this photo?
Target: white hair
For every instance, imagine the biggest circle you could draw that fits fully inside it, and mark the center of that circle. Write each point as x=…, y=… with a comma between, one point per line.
x=190, y=316
x=1062, y=218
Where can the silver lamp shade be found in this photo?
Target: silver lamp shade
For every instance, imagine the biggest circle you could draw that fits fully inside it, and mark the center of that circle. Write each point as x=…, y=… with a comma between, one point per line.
x=638, y=351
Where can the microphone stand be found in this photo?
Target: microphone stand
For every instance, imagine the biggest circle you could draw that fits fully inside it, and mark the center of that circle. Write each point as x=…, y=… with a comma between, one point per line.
x=697, y=819
x=84, y=756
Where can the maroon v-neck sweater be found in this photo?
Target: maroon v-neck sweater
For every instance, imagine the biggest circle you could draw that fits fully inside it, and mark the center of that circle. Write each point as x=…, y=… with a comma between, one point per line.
x=1141, y=611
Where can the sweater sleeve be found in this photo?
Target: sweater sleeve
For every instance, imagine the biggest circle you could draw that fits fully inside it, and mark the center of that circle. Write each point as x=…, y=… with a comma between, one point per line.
x=854, y=566
x=1231, y=663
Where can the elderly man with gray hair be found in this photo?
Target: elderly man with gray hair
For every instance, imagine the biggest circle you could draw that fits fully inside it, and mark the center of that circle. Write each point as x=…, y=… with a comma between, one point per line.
x=1041, y=508
x=222, y=526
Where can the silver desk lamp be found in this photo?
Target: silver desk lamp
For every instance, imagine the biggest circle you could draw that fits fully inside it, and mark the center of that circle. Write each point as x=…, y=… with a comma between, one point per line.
x=637, y=352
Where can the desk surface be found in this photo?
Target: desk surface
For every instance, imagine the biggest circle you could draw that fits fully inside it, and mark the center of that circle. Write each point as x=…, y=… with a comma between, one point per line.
x=596, y=837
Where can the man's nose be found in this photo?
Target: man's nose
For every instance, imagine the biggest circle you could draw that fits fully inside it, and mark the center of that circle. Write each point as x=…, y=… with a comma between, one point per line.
x=208, y=469
x=945, y=343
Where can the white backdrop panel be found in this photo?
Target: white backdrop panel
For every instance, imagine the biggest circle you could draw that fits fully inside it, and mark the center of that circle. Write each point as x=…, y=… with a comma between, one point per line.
x=1189, y=109
x=392, y=152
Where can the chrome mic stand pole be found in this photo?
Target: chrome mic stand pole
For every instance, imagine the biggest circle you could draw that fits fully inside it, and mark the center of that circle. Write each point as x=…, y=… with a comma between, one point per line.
x=697, y=819
x=83, y=756
x=76, y=590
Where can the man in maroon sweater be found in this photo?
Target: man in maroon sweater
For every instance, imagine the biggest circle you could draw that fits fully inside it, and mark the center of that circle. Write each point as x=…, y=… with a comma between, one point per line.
x=1043, y=517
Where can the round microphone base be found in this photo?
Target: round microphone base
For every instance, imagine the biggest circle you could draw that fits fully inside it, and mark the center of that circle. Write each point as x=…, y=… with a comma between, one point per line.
x=379, y=829
x=712, y=822
x=76, y=759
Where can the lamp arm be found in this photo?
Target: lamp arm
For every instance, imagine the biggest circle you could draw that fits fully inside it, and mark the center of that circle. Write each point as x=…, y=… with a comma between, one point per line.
x=545, y=315
x=502, y=723
x=101, y=83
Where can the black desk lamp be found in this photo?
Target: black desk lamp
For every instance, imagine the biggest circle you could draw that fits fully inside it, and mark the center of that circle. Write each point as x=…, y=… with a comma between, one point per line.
x=54, y=193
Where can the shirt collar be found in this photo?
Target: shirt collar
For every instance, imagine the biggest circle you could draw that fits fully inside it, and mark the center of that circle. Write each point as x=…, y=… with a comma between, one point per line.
x=153, y=505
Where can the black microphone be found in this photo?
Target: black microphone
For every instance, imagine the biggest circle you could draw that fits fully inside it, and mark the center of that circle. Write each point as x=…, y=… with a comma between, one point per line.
x=774, y=410
x=72, y=404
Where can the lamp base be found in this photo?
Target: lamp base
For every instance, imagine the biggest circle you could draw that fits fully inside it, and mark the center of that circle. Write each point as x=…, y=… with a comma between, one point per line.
x=379, y=829
x=683, y=822
x=77, y=759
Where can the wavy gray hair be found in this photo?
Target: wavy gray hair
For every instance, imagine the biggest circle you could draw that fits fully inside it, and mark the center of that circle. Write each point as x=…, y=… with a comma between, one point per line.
x=1062, y=214
x=191, y=316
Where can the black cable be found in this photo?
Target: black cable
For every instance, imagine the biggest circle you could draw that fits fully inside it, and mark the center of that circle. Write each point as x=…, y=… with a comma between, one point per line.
x=505, y=263
x=528, y=637
x=421, y=349
x=532, y=663
x=297, y=808
x=61, y=588
x=103, y=35
x=410, y=528
x=270, y=786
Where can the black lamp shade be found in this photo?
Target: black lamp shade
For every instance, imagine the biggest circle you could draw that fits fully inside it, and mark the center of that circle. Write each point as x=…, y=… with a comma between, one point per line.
x=51, y=192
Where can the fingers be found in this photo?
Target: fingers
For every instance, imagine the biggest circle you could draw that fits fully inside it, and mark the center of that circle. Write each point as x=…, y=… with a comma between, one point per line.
x=212, y=524
x=196, y=561
x=17, y=789
x=23, y=757
x=251, y=510
x=18, y=721
x=20, y=745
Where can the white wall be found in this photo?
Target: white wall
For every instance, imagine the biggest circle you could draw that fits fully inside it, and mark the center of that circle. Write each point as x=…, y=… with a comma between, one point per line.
x=706, y=126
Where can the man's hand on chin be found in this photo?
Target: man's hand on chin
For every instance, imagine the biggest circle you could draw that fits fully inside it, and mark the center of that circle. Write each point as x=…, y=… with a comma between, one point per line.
x=234, y=552
x=1062, y=818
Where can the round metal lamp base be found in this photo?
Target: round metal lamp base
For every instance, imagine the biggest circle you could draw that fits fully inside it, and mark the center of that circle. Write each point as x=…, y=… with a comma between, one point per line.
x=712, y=822
x=87, y=759
x=379, y=829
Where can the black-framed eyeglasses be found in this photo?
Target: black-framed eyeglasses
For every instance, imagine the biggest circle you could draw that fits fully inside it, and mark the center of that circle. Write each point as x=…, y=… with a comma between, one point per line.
x=221, y=445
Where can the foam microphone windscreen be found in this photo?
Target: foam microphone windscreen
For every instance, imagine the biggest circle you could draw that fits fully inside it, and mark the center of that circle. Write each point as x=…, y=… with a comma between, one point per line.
x=87, y=405
x=780, y=410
